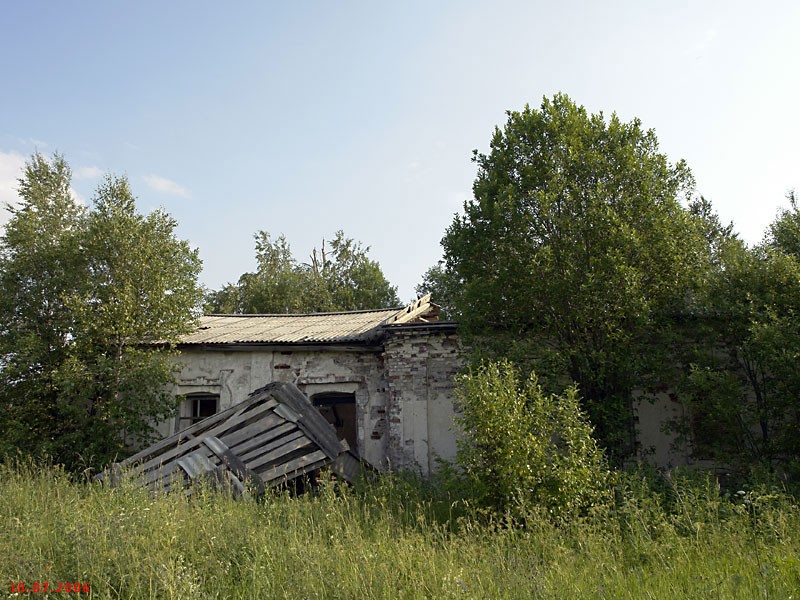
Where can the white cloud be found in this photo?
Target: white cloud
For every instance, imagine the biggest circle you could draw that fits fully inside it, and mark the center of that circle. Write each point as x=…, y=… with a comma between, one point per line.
x=11, y=166
x=706, y=43
x=166, y=186
x=87, y=173
x=38, y=145
x=76, y=196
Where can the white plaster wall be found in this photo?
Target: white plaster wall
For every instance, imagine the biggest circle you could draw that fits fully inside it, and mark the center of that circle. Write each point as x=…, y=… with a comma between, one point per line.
x=403, y=394
x=657, y=444
x=235, y=374
x=443, y=432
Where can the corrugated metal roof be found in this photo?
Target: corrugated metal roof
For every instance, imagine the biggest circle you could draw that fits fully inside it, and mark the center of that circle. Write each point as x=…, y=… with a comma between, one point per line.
x=314, y=328
x=290, y=329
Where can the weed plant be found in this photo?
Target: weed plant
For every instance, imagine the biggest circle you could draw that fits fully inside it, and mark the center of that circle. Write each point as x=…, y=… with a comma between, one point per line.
x=398, y=538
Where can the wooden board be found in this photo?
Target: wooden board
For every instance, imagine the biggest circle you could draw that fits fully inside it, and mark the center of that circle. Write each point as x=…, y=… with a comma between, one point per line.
x=274, y=435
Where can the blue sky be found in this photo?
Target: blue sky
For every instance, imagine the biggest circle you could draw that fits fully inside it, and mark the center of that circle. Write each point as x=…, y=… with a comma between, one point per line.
x=308, y=117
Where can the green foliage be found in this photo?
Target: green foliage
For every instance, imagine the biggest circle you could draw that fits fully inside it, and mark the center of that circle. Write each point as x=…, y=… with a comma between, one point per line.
x=784, y=232
x=337, y=278
x=717, y=235
x=574, y=253
x=82, y=293
x=523, y=449
x=38, y=262
x=744, y=385
x=577, y=259
x=688, y=541
x=276, y=287
x=443, y=288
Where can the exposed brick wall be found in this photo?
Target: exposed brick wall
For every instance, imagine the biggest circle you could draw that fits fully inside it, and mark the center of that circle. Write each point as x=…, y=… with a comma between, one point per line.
x=419, y=367
x=403, y=393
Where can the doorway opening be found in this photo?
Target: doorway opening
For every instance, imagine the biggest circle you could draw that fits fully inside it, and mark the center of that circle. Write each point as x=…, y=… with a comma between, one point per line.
x=339, y=409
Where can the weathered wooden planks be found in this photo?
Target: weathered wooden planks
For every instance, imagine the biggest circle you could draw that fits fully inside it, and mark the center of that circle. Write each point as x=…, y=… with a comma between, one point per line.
x=274, y=435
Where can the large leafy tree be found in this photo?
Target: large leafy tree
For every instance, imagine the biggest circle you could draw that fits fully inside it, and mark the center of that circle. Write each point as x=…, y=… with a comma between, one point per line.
x=86, y=296
x=574, y=253
x=338, y=276
x=39, y=263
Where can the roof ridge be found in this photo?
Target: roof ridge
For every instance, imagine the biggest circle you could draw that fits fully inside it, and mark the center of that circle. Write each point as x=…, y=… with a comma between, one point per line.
x=313, y=314
x=321, y=327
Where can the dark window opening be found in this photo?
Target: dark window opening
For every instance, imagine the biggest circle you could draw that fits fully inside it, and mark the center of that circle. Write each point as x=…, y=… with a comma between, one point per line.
x=340, y=411
x=197, y=407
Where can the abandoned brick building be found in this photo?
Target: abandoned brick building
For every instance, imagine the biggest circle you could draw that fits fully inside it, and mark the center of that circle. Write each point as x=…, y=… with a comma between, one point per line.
x=383, y=378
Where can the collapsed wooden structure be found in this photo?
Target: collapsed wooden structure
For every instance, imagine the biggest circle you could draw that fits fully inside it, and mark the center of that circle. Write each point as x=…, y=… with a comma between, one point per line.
x=274, y=436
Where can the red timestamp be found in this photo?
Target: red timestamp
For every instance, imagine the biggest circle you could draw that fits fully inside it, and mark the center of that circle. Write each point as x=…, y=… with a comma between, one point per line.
x=57, y=587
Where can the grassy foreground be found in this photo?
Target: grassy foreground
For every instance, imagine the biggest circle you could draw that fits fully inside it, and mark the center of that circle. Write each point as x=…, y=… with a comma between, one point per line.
x=394, y=540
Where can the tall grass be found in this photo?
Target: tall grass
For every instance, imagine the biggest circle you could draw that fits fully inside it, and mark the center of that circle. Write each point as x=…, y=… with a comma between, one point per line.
x=396, y=539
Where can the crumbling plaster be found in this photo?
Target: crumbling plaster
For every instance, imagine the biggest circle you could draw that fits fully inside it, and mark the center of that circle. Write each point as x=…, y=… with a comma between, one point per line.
x=402, y=388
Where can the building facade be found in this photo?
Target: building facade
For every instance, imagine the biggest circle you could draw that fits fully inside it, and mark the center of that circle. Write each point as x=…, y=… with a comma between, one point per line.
x=383, y=378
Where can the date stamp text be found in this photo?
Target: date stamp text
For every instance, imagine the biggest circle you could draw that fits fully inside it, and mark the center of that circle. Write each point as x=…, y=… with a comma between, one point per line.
x=55, y=587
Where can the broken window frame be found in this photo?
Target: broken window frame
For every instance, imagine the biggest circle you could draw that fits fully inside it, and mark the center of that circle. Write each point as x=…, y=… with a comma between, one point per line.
x=195, y=406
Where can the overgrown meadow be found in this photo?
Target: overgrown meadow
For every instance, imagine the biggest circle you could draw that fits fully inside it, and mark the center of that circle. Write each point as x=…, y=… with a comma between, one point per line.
x=673, y=537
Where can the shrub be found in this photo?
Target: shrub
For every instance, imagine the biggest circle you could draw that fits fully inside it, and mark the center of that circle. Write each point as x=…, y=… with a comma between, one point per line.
x=523, y=450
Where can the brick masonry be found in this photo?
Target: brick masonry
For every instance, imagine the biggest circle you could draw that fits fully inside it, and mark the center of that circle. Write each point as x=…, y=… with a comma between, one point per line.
x=403, y=388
